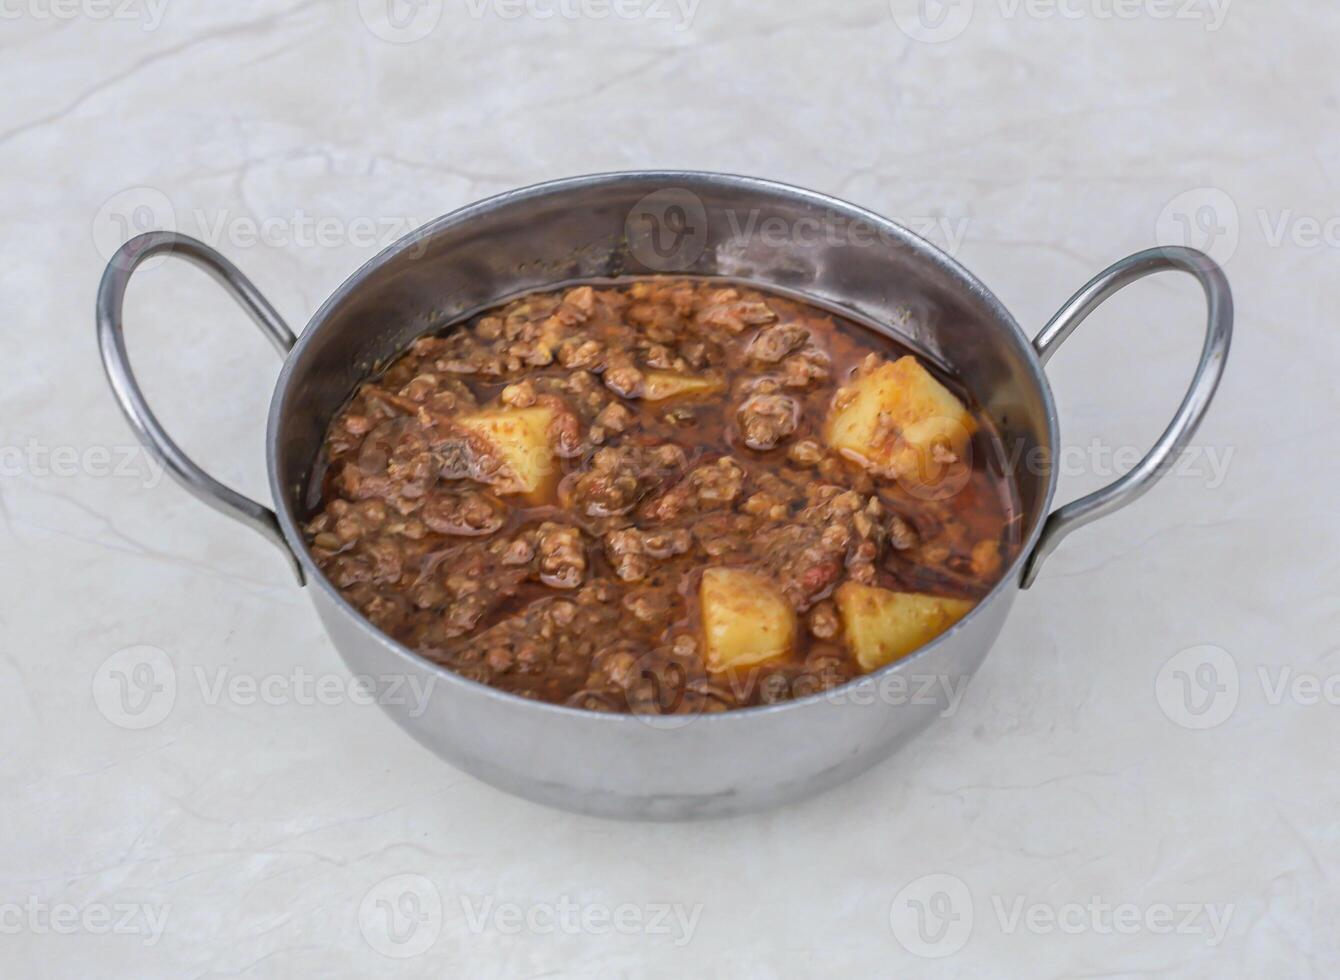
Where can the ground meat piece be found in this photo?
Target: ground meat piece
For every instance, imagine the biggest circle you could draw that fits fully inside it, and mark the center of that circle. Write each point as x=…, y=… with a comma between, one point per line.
x=734, y=315
x=536, y=352
x=824, y=623
x=468, y=512
x=621, y=476
x=657, y=682
x=805, y=452
x=562, y=556
x=617, y=666
x=766, y=420
x=521, y=550
x=696, y=353
x=545, y=650
x=659, y=323
x=465, y=353
x=348, y=570
x=565, y=429
x=773, y=343
x=650, y=605
x=725, y=536
x=450, y=398
x=625, y=554
x=344, y=523
x=622, y=376
x=582, y=352
x=519, y=395
x=718, y=483
x=615, y=418
x=808, y=367
x=766, y=505
x=393, y=461
x=706, y=487
x=386, y=611
x=459, y=587
x=420, y=388
x=660, y=356
x=612, y=419
x=824, y=669
x=325, y=541
x=579, y=392
x=837, y=531
x=357, y=425
x=806, y=567
x=632, y=552
x=578, y=304
x=902, y=535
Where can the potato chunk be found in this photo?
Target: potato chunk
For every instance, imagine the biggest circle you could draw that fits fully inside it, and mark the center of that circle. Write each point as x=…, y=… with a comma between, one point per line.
x=519, y=438
x=746, y=621
x=898, y=421
x=882, y=626
x=660, y=385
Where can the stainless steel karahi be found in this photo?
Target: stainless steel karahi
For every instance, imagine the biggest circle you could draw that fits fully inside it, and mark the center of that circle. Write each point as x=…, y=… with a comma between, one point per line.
x=609, y=225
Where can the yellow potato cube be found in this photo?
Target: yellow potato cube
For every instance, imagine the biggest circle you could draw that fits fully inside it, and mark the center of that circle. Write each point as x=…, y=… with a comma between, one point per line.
x=519, y=437
x=660, y=385
x=898, y=421
x=882, y=626
x=746, y=620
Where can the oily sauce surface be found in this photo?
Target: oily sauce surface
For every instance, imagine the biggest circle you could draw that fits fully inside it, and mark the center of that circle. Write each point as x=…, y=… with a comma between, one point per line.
x=583, y=588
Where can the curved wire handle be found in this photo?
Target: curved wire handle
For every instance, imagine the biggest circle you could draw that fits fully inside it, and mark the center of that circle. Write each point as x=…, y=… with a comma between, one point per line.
x=1214, y=355
x=152, y=435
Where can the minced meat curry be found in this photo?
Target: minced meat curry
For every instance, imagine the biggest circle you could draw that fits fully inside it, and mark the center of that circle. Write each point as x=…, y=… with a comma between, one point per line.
x=661, y=496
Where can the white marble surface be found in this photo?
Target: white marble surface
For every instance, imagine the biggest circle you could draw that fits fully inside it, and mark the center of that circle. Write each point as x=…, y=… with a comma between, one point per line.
x=256, y=837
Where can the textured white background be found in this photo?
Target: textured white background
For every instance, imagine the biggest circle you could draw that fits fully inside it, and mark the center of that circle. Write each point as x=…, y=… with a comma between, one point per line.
x=1055, y=141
